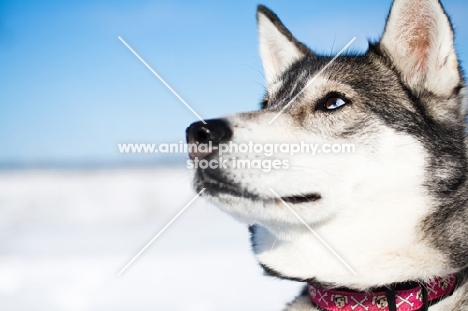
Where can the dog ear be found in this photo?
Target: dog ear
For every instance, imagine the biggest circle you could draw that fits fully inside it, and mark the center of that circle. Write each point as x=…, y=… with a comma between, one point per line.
x=419, y=39
x=278, y=48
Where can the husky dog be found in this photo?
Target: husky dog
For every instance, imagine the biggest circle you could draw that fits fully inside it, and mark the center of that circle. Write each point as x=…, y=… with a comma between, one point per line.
x=395, y=210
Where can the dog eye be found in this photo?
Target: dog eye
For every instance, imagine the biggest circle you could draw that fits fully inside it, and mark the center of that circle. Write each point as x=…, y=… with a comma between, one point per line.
x=334, y=103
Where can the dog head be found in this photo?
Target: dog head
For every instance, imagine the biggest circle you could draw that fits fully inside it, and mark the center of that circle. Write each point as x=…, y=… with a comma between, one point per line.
x=384, y=206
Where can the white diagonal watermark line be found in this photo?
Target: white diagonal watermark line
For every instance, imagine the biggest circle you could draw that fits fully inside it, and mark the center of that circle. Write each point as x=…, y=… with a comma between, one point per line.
x=316, y=234
x=162, y=80
x=312, y=80
x=160, y=232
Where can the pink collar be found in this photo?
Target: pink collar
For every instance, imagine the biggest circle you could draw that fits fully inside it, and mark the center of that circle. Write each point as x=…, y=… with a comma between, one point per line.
x=404, y=300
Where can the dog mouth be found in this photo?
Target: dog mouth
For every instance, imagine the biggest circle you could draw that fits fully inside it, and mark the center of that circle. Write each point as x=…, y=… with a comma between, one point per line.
x=300, y=199
x=215, y=185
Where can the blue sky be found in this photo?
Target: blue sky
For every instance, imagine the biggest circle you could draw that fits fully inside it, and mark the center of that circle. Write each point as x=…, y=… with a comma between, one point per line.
x=71, y=91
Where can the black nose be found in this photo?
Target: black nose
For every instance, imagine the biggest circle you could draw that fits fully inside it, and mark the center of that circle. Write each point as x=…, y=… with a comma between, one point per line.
x=215, y=131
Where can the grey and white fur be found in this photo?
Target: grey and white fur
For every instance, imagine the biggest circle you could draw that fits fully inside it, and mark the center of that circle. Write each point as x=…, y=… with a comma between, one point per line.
x=397, y=209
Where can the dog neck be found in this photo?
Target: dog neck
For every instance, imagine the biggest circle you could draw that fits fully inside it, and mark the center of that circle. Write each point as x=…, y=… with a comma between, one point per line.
x=301, y=257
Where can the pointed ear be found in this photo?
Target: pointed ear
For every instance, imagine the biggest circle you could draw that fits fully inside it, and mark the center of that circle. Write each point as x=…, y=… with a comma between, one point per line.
x=419, y=39
x=278, y=48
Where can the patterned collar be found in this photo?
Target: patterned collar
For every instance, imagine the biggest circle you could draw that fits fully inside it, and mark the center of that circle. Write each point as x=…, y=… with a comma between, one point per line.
x=412, y=299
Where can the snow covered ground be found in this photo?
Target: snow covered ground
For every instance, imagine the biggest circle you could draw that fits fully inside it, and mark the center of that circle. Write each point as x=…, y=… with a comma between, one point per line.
x=65, y=234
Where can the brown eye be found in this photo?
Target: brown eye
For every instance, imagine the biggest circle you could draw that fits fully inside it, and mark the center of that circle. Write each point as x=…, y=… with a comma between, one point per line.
x=334, y=103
